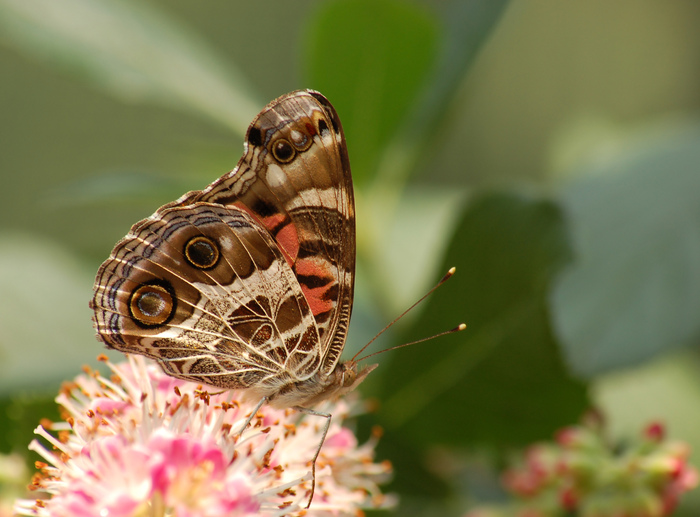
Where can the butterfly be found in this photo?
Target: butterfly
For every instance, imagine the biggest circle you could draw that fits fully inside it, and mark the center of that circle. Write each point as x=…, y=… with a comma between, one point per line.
x=248, y=284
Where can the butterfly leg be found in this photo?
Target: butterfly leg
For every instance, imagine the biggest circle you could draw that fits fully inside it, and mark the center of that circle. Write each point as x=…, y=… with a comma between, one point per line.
x=327, y=416
x=252, y=415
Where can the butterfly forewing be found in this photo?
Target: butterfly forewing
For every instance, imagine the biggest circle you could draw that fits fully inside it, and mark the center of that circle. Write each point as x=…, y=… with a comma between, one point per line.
x=295, y=179
x=249, y=282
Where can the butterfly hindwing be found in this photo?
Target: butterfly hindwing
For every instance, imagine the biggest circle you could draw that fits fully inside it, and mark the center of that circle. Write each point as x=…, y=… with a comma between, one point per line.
x=249, y=282
x=205, y=291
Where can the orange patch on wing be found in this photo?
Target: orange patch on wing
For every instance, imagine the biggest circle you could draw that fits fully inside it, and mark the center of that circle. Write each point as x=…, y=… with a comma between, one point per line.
x=288, y=239
x=314, y=297
x=272, y=221
x=310, y=267
x=310, y=128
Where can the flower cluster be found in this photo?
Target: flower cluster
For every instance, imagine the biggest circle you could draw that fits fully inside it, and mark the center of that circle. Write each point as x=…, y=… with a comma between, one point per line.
x=145, y=444
x=580, y=474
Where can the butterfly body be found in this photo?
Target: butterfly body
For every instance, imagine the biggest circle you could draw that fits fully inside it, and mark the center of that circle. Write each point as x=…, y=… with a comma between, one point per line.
x=248, y=284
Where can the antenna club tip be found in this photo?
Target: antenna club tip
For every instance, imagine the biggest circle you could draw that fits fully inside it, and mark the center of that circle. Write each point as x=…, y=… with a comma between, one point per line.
x=447, y=276
x=461, y=327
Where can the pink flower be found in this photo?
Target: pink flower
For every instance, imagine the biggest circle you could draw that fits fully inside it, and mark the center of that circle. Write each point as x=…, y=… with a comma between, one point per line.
x=146, y=444
x=581, y=472
x=655, y=431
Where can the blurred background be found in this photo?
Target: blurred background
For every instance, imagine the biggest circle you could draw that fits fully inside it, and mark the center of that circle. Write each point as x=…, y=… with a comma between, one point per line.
x=549, y=150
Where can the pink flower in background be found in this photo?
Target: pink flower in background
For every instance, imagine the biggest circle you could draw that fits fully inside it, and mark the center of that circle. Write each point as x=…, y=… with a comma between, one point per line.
x=582, y=474
x=144, y=444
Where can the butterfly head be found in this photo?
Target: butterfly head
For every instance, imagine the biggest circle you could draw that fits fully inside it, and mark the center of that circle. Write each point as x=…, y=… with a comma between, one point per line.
x=346, y=377
x=351, y=376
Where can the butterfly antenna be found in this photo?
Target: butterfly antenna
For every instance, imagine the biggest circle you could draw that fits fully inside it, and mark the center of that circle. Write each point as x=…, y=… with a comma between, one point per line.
x=458, y=328
x=444, y=279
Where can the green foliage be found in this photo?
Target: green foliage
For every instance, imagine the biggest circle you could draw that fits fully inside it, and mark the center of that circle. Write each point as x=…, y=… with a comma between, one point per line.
x=371, y=57
x=634, y=290
x=566, y=273
x=507, y=249
x=133, y=52
x=19, y=416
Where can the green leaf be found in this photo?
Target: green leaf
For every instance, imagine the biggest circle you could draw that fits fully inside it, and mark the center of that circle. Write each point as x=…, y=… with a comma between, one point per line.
x=19, y=415
x=466, y=28
x=388, y=234
x=370, y=57
x=501, y=381
x=392, y=77
x=634, y=290
x=392, y=80
x=123, y=186
x=133, y=52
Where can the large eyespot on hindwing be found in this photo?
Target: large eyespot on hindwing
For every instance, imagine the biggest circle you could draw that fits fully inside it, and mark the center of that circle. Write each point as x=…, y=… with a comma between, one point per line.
x=202, y=252
x=152, y=305
x=283, y=151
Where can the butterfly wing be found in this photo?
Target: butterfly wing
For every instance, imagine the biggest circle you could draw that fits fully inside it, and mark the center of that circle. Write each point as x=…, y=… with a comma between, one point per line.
x=249, y=282
x=295, y=179
x=206, y=292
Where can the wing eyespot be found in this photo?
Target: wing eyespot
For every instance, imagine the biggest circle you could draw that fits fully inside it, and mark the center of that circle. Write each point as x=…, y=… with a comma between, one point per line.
x=283, y=151
x=300, y=243
x=202, y=252
x=152, y=305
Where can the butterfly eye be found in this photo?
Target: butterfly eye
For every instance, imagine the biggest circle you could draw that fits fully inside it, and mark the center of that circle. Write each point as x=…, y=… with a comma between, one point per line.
x=283, y=151
x=151, y=305
x=202, y=252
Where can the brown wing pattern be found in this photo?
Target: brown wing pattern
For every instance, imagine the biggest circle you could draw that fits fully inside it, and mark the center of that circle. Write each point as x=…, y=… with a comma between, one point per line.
x=295, y=179
x=249, y=282
x=205, y=291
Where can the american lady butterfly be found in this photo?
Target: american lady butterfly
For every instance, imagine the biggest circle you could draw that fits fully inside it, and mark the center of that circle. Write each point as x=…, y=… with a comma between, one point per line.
x=248, y=284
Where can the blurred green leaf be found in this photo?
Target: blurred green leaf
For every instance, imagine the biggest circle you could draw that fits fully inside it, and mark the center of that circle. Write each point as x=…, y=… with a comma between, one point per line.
x=392, y=124
x=392, y=117
x=118, y=186
x=420, y=491
x=466, y=28
x=501, y=381
x=45, y=330
x=666, y=390
x=634, y=289
x=370, y=57
x=134, y=52
x=19, y=416
x=420, y=226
